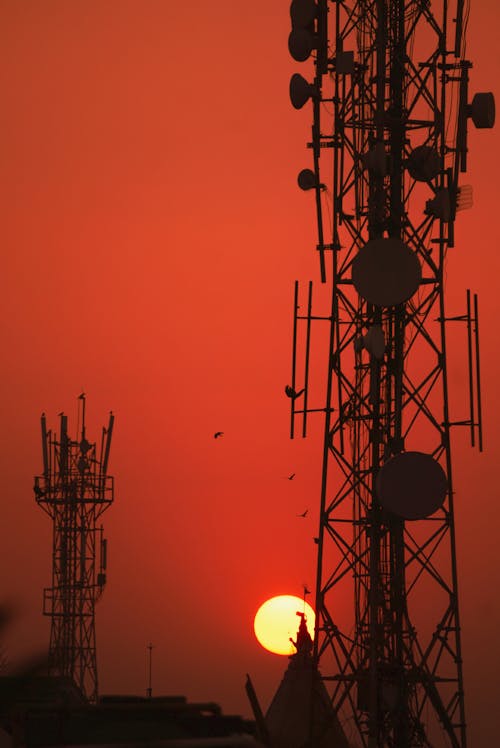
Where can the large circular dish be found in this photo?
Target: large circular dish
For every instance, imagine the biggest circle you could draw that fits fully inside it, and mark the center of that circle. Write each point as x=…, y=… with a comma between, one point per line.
x=411, y=485
x=386, y=272
x=424, y=163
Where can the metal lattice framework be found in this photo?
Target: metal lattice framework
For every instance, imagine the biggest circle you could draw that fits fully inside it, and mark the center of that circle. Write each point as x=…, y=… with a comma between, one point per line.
x=390, y=110
x=75, y=490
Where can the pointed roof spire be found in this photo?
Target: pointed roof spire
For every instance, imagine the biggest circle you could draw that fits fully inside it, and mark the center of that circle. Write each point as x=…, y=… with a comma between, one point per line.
x=303, y=643
x=301, y=707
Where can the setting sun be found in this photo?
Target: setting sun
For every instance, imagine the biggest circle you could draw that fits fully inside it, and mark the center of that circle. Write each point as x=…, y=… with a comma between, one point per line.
x=277, y=621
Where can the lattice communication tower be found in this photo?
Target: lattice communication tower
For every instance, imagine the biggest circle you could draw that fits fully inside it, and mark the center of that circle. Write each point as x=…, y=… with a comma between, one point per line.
x=75, y=490
x=391, y=107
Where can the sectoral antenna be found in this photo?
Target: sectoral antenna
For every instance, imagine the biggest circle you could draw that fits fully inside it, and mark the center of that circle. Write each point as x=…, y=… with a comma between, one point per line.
x=103, y=562
x=299, y=393
x=475, y=420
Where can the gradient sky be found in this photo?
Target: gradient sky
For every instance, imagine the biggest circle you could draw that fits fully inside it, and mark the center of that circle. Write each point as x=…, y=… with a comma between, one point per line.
x=151, y=231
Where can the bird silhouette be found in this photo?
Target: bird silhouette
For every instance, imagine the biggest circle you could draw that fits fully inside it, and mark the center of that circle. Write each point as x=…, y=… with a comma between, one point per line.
x=38, y=491
x=218, y=433
x=304, y=514
x=291, y=393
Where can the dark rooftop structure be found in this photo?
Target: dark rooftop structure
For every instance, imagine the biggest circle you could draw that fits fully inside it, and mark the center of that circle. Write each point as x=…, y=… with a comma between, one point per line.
x=42, y=712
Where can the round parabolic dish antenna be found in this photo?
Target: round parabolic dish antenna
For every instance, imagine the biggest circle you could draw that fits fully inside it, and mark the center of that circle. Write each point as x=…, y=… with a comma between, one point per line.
x=424, y=163
x=300, y=44
x=302, y=12
x=411, y=485
x=386, y=272
x=482, y=110
x=307, y=179
x=300, y=90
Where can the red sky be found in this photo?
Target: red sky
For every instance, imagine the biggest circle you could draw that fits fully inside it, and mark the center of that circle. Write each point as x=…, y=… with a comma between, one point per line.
x=151, y=232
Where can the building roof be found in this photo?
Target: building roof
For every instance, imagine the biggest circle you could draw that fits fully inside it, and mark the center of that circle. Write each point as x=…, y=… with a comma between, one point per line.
x=51, y=716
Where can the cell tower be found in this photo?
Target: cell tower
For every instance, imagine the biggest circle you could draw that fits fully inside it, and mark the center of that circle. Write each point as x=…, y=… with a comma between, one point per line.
x=75, y=490
x=391, y=105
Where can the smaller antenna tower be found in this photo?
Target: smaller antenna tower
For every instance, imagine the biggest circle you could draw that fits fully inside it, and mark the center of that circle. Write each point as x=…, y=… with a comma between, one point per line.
x=74, y=490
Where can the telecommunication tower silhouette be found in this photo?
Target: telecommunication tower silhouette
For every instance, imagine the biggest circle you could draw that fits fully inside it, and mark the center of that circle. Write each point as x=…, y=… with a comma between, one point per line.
x=391, y=107
x=75, y=490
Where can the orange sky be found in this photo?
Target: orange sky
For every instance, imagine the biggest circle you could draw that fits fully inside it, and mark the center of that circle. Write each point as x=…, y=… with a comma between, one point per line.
x=151, y=231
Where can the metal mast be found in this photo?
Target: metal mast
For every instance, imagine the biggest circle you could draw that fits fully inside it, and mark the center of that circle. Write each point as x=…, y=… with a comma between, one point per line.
x=390, y=108
x=75, y=490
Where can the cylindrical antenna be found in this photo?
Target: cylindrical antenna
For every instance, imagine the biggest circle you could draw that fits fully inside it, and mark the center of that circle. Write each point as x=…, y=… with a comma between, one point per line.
x=45, y=454
x=462, y=118
x=459, y=27
x=82, y=398
x=101, y=454
x=478, y=378
x=104, y=553
x=471, y=376
x=63, y=444
x=308, y=347
x=318, y=188
x=109, y=433
x=294, y=357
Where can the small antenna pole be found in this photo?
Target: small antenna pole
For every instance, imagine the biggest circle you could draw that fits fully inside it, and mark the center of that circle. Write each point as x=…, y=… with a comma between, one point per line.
x=149, y=690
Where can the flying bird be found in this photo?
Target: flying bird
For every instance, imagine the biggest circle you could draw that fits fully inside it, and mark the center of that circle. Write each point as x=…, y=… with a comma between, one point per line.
x=291, y=393
x=304, y=514
x=218, y=433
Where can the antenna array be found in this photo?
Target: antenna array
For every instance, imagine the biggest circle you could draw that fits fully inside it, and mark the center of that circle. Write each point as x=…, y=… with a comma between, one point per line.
x=75, y=490
x=391, y=107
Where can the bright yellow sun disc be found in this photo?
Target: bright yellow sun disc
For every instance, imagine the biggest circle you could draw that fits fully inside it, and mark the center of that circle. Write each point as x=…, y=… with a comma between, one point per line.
x=277, y=621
